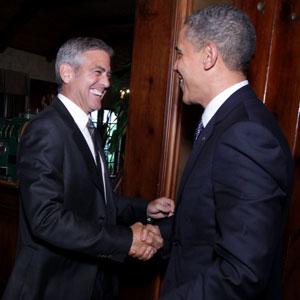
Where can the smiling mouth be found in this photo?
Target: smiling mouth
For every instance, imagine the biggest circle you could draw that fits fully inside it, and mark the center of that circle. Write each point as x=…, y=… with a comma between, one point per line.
x=97, y=92
x=180, y=78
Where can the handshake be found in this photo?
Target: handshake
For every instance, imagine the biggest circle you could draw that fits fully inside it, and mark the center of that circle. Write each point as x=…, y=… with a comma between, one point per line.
x=147, y=238
x=146, y=241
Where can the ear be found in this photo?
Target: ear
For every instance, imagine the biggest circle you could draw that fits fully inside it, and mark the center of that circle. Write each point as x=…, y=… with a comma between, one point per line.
x=210, y=56
x=66, y=73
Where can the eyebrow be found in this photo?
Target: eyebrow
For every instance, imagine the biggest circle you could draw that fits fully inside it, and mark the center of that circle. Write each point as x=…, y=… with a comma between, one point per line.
x=100, y=68
x=103, y=70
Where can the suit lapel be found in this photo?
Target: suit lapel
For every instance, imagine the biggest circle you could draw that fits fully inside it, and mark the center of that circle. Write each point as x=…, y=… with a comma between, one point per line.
x=234, y=100
x=196, y=151
x=80, y=142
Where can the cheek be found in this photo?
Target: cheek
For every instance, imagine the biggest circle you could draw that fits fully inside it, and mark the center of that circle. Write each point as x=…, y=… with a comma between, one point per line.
x=193, y=72
x=186, y=68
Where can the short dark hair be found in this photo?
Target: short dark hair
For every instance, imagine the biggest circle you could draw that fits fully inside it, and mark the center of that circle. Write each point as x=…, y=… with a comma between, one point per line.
x=72, y=49
x=229, y=28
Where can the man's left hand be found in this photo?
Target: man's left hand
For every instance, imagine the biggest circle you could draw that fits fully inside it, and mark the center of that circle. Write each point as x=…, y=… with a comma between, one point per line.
x=161, y=208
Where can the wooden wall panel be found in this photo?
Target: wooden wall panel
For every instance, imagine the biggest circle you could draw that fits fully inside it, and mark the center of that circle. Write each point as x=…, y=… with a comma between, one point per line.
x=171, y=161
x=152, y=116
x=262, y=14
x=283, y=89
x=149, y=84
x=292, y=261
x=283, y=97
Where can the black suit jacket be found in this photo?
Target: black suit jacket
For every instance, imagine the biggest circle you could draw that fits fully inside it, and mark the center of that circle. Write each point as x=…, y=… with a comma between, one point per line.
x=231, y=208
x=68, y=235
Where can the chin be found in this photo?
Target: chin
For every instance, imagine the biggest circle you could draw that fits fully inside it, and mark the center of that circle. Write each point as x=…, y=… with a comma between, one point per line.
x=97, y=106
x=186, y=100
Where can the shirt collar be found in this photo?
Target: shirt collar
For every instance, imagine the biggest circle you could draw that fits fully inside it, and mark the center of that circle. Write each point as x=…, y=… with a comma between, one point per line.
x=79, y=116
x=217, y=101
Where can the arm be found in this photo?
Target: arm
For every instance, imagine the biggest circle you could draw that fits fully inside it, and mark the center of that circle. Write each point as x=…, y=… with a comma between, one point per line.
x=150, y=238
x=130, y=210
x=136, y=209
x=146, y=239
x=250, y=192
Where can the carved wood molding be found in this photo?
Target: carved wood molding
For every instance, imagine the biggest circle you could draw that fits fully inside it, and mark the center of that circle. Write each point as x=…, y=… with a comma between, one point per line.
x=172, y=125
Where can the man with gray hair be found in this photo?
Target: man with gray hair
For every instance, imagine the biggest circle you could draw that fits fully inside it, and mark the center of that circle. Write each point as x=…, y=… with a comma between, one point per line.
x=73, y=228
x=226, y=234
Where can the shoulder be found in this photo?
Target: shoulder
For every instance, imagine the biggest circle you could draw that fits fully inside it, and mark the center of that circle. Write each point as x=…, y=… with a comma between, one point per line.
x=250, y=121
x=244, y=132
x=46, y=129
x=252, y=140
x=251, y=148
x=46, y=122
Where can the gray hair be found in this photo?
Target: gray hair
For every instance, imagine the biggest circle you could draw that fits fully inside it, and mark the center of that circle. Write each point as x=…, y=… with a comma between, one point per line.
x=70, y=53
x=229, y=28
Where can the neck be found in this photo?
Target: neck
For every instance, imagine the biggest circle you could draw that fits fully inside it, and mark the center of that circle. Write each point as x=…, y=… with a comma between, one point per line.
x=221, y=82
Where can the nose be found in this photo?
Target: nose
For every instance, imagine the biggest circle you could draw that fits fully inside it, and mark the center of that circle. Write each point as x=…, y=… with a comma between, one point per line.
x=105, y=81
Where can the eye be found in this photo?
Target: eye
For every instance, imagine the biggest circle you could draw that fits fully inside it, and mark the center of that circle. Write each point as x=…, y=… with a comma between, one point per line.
x=178, y=55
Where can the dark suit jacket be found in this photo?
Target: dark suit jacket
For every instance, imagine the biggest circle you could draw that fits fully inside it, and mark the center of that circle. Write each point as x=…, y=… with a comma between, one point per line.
x=231, y=208
x=68, y=235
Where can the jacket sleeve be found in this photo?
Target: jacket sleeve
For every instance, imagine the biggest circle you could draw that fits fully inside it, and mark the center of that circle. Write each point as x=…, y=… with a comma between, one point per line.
x=130, y=210
x=250, y=193
x=41, y=172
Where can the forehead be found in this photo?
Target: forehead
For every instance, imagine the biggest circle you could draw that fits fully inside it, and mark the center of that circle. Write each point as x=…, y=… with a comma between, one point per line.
x=184, y=43
x=182, y=35
x=96, y=57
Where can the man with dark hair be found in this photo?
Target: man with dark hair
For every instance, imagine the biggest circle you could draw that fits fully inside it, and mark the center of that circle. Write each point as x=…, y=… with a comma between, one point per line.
x=234, y=193
x=69, y=235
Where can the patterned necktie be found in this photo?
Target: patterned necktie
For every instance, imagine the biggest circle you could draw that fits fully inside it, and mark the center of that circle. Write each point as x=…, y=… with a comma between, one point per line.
x=198, y=130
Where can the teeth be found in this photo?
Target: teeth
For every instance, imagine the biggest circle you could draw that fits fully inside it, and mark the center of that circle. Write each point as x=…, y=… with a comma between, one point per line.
x=180, y=78
x=97, y=92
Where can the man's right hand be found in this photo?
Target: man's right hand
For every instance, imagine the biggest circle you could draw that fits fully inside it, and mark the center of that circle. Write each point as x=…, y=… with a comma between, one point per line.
x=146, y=241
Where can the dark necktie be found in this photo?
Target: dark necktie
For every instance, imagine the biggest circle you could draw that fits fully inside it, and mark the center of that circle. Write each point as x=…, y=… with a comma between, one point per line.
x=100, y=164
x=92, y=130
x=198, y=130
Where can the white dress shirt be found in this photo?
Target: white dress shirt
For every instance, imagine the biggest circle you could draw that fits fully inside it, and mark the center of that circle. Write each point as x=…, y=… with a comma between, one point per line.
x=217, y=101
x=81, y=119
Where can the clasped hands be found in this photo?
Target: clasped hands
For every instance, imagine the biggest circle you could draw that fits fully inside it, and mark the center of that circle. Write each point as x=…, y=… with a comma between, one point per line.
x=147, y=239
